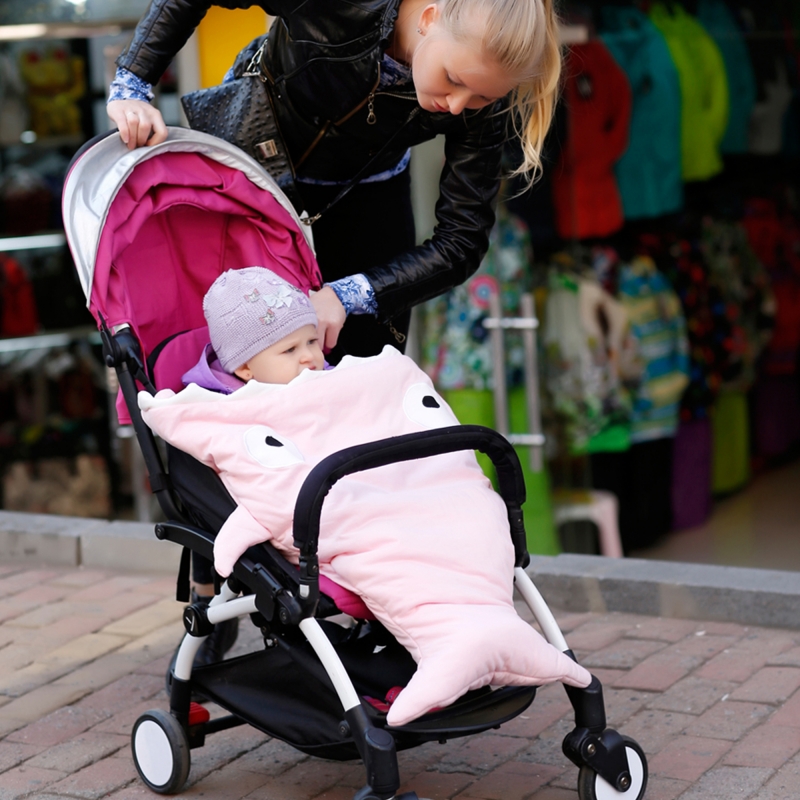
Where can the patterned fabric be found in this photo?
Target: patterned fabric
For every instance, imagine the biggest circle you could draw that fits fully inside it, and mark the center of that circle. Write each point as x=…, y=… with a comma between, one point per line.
x=745, y=287
x=356, y=294
x=658, y=325
x=127, y=86
x=709, y=329
x=456, y=348
x=590, y=365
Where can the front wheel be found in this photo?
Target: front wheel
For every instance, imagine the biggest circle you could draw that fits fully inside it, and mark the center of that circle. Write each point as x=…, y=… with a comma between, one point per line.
x=161, y=751
x=592, y=787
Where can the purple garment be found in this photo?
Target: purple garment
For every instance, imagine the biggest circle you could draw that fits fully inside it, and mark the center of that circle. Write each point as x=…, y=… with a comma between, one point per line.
x=691, y=474
x=207, y=373
x=777, y=414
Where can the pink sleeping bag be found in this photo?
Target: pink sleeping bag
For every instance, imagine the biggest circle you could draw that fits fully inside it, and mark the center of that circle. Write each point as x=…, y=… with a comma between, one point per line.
x=426, y=543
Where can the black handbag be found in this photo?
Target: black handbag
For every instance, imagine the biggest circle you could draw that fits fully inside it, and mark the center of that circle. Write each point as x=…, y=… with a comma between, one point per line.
x=241, y=112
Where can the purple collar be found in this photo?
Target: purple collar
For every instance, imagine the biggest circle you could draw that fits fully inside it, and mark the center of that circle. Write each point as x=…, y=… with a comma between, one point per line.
x=208, y=374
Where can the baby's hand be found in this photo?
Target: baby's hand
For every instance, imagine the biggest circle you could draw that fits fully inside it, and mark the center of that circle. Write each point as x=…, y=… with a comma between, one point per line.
x=330, y=316
x=139, y=123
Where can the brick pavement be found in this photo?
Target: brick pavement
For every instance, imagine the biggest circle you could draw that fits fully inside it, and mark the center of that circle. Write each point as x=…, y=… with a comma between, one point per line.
x=716, y=706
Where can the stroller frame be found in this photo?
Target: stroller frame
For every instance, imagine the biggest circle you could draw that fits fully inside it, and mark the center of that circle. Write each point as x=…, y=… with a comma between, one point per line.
x=611, y=765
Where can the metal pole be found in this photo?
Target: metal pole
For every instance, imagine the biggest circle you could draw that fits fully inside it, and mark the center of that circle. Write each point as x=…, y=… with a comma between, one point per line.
x=532, y=379
x=498, y=364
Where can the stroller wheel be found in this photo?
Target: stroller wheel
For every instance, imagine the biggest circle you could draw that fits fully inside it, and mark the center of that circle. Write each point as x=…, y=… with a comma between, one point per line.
x=592, y=787
x=161, y=751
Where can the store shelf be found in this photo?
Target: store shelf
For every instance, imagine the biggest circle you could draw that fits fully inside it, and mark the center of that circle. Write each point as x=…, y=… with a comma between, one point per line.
x=39, y=241
x=44, y=341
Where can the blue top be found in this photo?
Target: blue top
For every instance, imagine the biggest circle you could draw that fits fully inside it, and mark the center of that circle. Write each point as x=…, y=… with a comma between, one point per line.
x=649, y=172
x=721, y=25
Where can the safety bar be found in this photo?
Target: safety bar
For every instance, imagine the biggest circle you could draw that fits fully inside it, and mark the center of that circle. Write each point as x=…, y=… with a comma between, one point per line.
x=308, y=508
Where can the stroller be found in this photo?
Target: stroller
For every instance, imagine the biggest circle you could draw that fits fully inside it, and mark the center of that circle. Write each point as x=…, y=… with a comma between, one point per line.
x=150, y=230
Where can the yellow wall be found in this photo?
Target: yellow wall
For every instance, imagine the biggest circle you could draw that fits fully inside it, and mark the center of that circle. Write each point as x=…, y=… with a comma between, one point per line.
x=221, y=35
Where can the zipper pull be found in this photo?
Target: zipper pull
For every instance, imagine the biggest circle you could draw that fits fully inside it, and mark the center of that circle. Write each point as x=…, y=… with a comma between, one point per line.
x=400, y=337
x=371, y=118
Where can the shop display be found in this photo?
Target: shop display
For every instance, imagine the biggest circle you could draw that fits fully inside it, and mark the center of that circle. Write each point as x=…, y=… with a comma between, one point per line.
x=55, y=81
x=55, y=432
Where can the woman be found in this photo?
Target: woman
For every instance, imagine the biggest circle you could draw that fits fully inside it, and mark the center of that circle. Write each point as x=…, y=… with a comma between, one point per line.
x=346, y=77
x=356, y=83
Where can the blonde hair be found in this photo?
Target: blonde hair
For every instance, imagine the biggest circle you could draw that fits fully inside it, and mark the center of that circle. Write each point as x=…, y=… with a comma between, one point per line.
x=521, y=37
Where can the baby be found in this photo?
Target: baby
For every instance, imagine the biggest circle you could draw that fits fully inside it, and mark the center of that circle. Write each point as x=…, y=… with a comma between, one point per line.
x=425, y=543
x=261, y=328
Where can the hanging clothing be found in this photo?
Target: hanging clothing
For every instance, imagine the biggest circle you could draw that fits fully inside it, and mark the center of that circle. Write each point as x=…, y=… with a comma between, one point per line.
x=730, y=429
x=691, y=474
x=766, y=121
x=776, y=240
x=598, y=97
x=658, y=325
x=723, y=28
x=456, y=348
x=649, y=171
x=704, y=89
x=707, y=325
x=18, y=314
x=589, y=358
x=744, y=285
x=772, y=59
x=457, y=354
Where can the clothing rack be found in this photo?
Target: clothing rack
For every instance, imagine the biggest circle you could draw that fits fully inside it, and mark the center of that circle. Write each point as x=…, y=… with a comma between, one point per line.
x=528, y=324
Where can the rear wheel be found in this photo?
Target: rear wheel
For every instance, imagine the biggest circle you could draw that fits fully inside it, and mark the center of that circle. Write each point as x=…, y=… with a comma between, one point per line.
x=592, y=787
x=161, y=751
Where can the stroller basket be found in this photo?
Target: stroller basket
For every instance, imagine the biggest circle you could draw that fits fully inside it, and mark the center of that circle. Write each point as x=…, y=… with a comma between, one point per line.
x=150, y=229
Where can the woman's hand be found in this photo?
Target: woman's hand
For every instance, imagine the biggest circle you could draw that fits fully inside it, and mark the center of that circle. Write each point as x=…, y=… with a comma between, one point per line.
x=330, y=316
x=139, y=123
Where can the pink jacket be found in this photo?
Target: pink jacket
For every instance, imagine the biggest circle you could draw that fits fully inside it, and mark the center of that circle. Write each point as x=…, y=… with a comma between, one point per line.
x=425, y=543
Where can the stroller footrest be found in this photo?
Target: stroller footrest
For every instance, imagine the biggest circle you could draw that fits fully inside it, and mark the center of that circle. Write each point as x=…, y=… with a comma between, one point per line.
x=474, y=712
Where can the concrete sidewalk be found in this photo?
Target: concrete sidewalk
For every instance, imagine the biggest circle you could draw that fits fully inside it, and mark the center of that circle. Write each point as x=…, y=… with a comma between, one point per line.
x=83, y=652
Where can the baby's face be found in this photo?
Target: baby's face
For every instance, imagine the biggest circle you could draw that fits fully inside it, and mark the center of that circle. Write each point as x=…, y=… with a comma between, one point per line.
x=286, y=359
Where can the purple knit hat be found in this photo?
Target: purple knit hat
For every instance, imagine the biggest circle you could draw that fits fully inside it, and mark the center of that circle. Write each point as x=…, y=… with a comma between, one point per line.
x=248, y=310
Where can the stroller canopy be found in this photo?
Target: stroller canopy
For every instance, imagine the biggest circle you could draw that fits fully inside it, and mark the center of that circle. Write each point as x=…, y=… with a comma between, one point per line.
x=150, y=229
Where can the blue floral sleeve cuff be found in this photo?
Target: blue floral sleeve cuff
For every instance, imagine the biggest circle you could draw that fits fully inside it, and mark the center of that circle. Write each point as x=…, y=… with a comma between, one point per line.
x=356, y=294
x=127, y=86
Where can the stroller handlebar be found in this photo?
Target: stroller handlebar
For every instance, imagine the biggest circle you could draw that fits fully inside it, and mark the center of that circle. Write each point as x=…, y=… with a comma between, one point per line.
x=308, y=508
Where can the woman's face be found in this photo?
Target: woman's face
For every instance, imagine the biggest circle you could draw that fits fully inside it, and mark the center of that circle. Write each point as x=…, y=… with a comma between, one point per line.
x=450, y=76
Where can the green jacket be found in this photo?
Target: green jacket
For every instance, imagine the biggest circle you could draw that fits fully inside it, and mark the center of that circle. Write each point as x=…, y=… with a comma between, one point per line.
x=704, y=90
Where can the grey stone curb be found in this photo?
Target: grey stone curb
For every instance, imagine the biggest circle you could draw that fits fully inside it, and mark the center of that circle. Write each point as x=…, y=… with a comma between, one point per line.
x=669, y=589
x=75, y=541
x=571, y=582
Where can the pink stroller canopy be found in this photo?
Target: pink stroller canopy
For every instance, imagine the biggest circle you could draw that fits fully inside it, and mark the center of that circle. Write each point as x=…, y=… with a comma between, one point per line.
x=151, y=229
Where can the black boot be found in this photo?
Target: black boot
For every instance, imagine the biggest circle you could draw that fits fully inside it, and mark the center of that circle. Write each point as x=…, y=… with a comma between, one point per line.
x=219, y=642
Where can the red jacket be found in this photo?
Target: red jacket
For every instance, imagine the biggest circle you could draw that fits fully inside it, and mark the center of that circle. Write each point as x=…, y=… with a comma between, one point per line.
x=598, y=98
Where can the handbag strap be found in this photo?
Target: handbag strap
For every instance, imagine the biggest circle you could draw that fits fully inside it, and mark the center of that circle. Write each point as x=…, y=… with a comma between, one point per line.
x=254, y=70
x=363, y=171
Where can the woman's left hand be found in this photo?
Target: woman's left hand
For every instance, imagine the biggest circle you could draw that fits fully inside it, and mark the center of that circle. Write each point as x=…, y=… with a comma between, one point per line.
x=330, y=316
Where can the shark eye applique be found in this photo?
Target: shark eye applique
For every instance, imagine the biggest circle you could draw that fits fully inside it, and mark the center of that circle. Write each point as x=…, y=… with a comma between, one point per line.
x=271, y=449
x=425, y=406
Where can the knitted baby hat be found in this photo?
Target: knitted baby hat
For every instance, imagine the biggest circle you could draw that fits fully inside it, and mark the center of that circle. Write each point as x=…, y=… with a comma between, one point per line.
x=248, y=310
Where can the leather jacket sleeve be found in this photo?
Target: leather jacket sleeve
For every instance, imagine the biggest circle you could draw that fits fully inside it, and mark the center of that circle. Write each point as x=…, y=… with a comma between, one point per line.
x=465, y=213
x=167, y=25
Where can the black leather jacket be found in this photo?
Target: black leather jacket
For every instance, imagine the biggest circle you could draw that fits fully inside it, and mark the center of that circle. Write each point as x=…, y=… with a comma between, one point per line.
x=323, y=59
